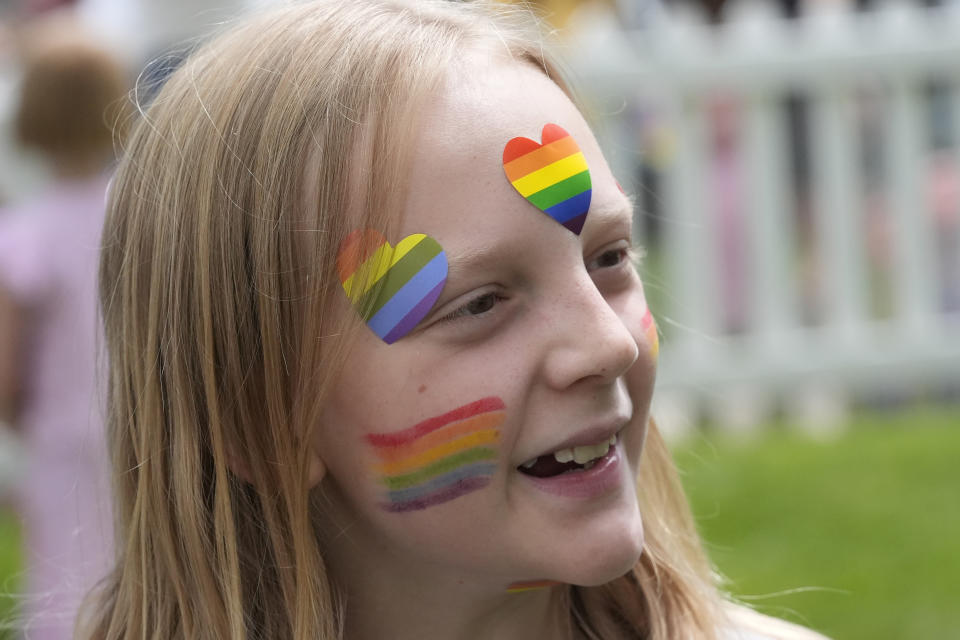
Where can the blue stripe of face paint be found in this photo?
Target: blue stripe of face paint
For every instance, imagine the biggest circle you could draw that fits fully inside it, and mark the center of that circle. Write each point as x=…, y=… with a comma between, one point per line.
x=469, y=471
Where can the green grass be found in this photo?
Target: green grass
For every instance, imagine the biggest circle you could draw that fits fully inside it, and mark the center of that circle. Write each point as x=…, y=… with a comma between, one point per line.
x=858, y=537
x=10, y=568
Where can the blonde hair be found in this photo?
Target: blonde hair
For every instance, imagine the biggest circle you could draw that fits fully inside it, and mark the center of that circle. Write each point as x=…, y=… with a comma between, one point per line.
x=216, y=285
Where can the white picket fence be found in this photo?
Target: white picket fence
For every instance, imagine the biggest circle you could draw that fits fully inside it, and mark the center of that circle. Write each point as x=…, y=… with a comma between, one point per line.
x=759, y=58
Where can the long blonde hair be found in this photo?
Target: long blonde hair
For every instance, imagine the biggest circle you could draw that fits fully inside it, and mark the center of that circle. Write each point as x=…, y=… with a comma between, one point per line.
x=216, y=278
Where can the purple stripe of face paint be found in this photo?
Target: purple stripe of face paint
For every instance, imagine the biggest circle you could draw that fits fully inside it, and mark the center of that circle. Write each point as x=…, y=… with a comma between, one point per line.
x=447, y=479
x=460, y=488
x=400, y=309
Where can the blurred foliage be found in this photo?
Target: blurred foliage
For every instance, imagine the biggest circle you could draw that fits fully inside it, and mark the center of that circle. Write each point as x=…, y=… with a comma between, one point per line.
x=858, y=536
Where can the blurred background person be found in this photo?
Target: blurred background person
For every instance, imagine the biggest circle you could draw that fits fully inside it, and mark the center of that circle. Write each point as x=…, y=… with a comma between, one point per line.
x=70, y=99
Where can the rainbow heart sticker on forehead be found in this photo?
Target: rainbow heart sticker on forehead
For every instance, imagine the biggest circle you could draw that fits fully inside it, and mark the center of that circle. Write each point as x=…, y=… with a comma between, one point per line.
x=552, y=175
x=392, y=288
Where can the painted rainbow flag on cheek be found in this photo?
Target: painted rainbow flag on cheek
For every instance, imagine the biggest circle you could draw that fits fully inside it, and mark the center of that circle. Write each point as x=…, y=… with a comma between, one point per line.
x=441, y=458
x=552, y=175
x=532, y=585
x=392, y=288
x=650, y=330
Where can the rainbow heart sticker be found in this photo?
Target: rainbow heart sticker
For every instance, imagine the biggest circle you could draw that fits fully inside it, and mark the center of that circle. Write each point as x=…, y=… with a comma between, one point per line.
x=552, y=175
x=392, y=288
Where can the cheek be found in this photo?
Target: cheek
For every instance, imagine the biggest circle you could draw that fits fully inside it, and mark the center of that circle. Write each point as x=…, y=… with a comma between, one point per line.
x=643, y=326
x=636, y=316
x=642, y=375
x=438, y=459
x=650, y=334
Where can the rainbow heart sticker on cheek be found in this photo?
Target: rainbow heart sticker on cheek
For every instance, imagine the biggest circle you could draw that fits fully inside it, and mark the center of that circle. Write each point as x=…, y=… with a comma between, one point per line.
x=392, y=288
x=551, y=174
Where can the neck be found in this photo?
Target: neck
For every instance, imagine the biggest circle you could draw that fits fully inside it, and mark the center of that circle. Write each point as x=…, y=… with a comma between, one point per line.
x=457, y=612
x=388, y=594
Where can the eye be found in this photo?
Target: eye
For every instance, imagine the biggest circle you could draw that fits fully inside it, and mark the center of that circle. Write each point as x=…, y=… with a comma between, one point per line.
x=609, y=258
x=616, y=255
x=612, y=267
x=478, y=306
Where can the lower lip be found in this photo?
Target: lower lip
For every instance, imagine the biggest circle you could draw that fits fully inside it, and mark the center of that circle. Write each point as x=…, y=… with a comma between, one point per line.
x=602, y=477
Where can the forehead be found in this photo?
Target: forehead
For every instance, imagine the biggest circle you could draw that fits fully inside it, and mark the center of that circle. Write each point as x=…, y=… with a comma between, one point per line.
x=457, y=180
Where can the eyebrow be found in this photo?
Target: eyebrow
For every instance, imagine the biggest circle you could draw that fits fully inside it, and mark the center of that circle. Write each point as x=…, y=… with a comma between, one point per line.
x=612, y=213
x=472, y=257
x=609, y=214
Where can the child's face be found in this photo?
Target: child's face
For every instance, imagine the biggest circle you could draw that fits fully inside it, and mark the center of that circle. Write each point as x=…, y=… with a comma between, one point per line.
x=536, y=344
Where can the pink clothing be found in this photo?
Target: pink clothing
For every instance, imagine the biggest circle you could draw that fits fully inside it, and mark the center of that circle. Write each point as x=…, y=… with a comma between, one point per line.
x=48, y=263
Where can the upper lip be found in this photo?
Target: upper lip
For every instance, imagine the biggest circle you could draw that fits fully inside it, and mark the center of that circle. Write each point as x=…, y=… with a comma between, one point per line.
x=595, y=434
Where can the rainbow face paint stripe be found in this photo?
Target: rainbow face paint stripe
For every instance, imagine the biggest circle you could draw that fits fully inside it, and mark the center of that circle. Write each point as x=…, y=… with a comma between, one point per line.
x=552, y=175
x=532, y=585
x=392, y=288
x=441, y=458
x=650, y=330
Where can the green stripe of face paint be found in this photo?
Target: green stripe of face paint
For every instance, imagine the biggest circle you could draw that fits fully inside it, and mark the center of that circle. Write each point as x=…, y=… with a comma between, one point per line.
x=563, y=190
x=443, y=465
x=397, y=276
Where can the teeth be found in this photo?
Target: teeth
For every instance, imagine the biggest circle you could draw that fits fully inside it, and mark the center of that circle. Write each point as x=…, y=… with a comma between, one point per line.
x=585, y=454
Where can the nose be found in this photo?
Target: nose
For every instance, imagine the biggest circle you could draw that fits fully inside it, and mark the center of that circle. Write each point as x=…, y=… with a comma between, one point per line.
x=588, y=341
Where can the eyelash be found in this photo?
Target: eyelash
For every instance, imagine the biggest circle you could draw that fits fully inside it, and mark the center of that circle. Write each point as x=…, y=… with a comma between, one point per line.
x=463, y=312
x=621, y=254
x=626, y=255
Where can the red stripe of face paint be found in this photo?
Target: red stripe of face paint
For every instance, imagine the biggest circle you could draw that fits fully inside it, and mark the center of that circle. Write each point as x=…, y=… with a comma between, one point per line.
x=432, y=424
x=647, y=319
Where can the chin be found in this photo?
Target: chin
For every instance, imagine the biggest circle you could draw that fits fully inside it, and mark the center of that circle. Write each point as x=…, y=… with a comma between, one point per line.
x=608, y=556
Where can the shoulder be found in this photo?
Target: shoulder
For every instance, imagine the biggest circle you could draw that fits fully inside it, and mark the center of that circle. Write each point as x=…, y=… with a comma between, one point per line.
x=747, y=624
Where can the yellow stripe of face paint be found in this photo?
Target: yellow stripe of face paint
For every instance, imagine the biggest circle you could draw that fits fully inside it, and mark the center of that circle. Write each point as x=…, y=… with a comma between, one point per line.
x=446, y=434
x=488, y=436
x=380, y=262
x=654, y=340
x=551, y=174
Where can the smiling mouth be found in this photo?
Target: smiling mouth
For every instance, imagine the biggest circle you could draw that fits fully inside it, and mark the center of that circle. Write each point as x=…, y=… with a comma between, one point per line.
x=573, y=460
